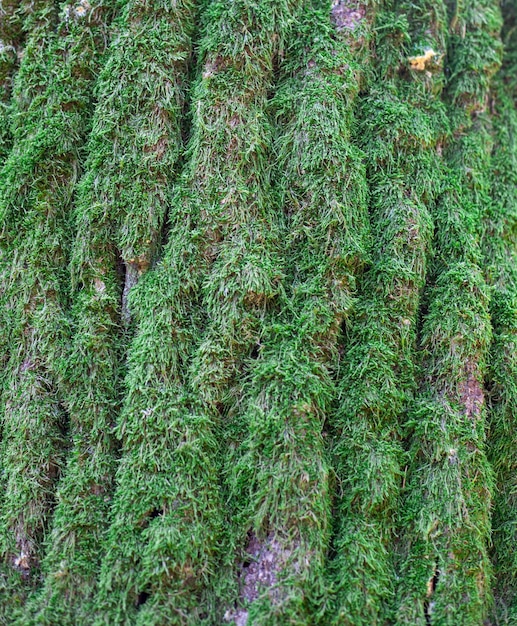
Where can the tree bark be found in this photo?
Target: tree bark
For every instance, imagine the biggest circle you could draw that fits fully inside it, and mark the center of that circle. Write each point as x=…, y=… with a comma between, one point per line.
x=258, y=284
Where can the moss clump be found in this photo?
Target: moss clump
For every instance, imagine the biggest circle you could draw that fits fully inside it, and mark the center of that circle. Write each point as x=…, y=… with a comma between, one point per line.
x=445, y=511
x=121, y=205
x=401, y=122
x=500, y=248
x=279, y=475
x=17, y=111
x=50, y=112
x=164, y=543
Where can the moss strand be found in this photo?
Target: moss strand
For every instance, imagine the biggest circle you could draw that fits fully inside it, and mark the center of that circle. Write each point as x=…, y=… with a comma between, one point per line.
x=401, y=125
x=445, y=513
x=167, y=515
x=281, y=478
x=37, y=183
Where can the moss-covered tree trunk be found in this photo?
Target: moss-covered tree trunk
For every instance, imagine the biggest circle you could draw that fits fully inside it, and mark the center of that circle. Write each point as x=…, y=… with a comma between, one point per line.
x=258, y=308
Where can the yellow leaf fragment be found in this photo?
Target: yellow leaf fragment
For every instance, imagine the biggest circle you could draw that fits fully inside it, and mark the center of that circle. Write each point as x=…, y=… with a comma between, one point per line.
x=419, y=62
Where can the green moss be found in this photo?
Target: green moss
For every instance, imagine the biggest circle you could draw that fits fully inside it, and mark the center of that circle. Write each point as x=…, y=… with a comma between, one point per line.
x=39, y=24
x=11, y=39
x=401, y=122
x=36, y=182
x=120, y=208
x=256, y=390
x=279, y=475
x=499, y=248
x=193, y=319
x=445, y=510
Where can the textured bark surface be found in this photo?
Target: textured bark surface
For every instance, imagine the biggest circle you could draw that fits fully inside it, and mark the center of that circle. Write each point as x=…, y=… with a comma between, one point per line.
x=258, y=309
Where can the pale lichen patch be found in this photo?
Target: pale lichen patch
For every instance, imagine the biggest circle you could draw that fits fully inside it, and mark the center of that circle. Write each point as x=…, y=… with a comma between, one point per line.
x=471, y=393
x=347, y=15
x=265, y=560
x=82, y=8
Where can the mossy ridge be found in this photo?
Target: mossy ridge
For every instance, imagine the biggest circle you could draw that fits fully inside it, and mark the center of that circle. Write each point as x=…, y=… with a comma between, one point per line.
x=27, y=29
x=167, y=514
x=278, y=476
x=39, y=26
x=11, y=40
x=120, y=207
x=501, y=244
x=37, y=183
x=401, y=123
x=500, y=253
x=445, y=510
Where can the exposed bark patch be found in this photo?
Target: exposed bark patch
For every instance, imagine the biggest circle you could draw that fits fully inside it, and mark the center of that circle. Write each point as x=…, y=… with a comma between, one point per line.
x=238, y=617
x=159, y=148
x=135, y=268
x=431, y=588
x=28, y=364
x=7, y=49
x=161, y=117
x=347, y=15
x=213, y=66
x=471, y=393
x=235, y=120
x=98, y=490
x=99, y=285
x=23, y=562
x=265, y=560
